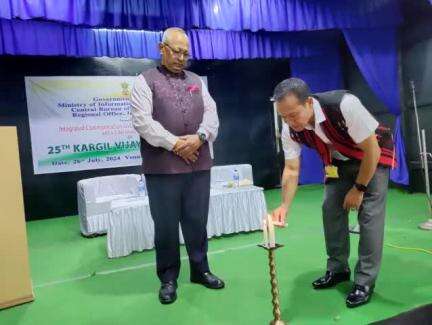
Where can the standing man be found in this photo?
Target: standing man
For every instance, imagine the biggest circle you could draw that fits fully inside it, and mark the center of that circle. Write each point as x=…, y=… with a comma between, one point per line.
x=357, y=153
x=176, y=117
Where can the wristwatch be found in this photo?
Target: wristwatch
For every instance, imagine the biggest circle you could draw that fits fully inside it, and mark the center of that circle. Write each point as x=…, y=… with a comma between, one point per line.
x=360, y=187
x=202, y=137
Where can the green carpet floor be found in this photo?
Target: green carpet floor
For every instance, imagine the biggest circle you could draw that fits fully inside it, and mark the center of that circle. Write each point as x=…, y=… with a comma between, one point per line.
x=75, y=283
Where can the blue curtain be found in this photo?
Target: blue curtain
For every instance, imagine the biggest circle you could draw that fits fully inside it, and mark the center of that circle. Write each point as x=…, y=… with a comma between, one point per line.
x=376, y=54
x=223, y=29
x=225, y=45
x=238, y=15
x=45, y=38
x=321, y=73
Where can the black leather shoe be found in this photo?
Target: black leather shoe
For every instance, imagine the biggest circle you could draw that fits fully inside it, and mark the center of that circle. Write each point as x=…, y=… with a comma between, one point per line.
x=167, y=292
x=208, y=280
x=330, y=279
x=359, y=295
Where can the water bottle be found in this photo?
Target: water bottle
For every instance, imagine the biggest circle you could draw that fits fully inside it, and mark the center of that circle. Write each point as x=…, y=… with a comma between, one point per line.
x=236, y=177
x=141, y=186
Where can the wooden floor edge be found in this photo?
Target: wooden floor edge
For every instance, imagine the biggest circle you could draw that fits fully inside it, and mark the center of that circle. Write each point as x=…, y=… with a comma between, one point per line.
x=18, y=301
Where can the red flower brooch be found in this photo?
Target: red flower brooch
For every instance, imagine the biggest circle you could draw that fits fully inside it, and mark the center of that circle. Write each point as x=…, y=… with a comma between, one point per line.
x=192, y=89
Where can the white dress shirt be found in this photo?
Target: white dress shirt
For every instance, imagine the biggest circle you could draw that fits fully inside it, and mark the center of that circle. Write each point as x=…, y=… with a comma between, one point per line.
x=360, y=123
x=152, y=131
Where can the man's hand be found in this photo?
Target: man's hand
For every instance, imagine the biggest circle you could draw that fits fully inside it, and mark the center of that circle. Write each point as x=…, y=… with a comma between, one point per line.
x=279, y=215
x=179, y=149
x=192, y=158
x=188, y=146
x=353, y=199
x=180, y=142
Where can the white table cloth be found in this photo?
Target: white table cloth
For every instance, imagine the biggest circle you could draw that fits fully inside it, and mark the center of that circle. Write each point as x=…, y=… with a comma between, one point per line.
x=131, y=228
x=96, y=194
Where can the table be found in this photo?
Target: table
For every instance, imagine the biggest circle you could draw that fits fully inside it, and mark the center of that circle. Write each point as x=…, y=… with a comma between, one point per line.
x=131, y=228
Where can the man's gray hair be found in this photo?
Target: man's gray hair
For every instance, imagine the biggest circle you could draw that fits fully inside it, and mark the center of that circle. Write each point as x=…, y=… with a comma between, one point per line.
x=169, y=31
x=291, y=86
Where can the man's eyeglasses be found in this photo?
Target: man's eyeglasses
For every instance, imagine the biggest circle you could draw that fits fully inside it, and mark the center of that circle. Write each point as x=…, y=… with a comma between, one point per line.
x=177, y=53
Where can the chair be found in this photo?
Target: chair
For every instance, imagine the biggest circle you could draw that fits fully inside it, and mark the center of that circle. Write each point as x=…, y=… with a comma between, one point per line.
x=95, y=196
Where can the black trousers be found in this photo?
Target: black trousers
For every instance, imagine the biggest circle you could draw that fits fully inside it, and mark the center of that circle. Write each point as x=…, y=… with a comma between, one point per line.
x=184, y=199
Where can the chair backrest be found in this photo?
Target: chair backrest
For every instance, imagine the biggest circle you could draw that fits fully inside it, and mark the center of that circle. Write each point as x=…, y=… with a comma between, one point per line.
x=92, y=188
x=221, y=175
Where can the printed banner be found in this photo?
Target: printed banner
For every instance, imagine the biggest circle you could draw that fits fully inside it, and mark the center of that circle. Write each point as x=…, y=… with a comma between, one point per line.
x=80, y=123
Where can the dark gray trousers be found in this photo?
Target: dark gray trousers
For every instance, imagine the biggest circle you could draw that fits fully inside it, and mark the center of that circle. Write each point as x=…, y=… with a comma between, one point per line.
x=184, y=199
x=370, y=217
